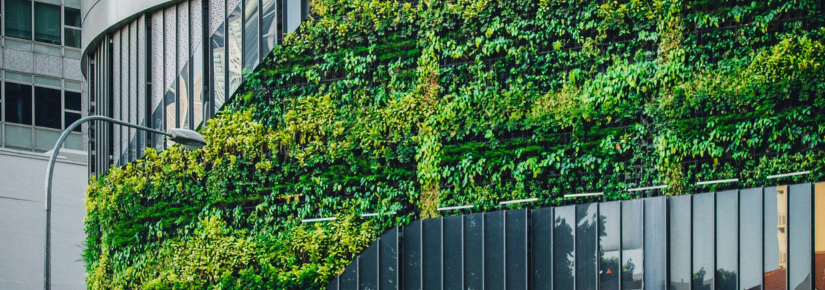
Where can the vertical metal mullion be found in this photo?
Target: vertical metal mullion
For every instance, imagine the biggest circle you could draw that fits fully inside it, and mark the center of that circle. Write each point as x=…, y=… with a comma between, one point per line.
x=621, y=242
x=713, y=223
x=690, y=241
x=598, y=254
x=164, y=120
x=575, y=245
x=504, y=246
x=552, y=249
x=762, y=228
x=225, y=53
x=463, y=253
x=260, y=32
x=190, y=55
x=813, y=234
x=206, y=43
x=483, y=250
x=787, y=237
x=378, y=263
x=176, y=71
x=738, y=240
x=441, y=220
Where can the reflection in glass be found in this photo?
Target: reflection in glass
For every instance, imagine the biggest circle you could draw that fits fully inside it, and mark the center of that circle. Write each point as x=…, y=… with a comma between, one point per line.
x=655, y=242
x=775, y=200
x=183, y=97
x=18, y=103
x=750, y=238
x=269, y=26
x=586, y=237
x=235, y=37
x=609, y=245
x=799, y=239
x=703, y=241
x=819, y=232
x=47, y=108
x=216, y=44
x=563, y=247
x=473, y=252
x=542, y=250
x=171, y=111
x=679, y=219
x=632, y=241
x=196, y=61
x=494, y=250
x=251, y=58
x=727, y=250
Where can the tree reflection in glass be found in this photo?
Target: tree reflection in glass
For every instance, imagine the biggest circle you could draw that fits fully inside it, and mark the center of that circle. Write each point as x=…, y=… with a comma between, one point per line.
x=563, y=248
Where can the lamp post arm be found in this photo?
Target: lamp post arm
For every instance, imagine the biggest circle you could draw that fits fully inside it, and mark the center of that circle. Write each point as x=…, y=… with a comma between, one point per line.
x=50, y=171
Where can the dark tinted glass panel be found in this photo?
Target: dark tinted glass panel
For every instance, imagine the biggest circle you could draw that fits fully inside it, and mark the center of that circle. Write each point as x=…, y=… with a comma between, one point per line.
x=234, y=41
x=727, y=244
x=19, y=23
x=452, y=252
x=775, y=199
x=412, y=256
x=586, y=247
x=819, y=232
x=542, y=248
x=432, y=253
x=609, y=245
x=251, y=34
x=216, y=44
x=333, y=285
x=494, y=250
x=564, y=255
x=632, y=241
x=269, y=26
x=799, y=239
x=703, y=250
x=349, y=279
x=72, y=100
x=679, y=219
x=750, y=238
x=71, y=37
x=47, y=111
x=47, y=26
x=368, y=268
x=388, y=274
x=18, y=103
x=516, y=249
x=655, y=243
x=71, y=118
x=72, y=16
x=473, y=251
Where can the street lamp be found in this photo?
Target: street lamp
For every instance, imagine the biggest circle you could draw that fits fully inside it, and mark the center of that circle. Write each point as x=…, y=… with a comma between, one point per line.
x=188, y=138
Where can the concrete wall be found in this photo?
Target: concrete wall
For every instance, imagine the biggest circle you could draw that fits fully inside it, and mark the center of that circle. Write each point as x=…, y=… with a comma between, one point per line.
x=22, y=222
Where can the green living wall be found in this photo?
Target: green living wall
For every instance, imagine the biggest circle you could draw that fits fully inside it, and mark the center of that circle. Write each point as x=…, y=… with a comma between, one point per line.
x=402, y=107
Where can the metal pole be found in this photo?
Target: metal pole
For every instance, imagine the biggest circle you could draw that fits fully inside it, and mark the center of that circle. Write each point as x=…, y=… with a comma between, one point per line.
x=49, y=172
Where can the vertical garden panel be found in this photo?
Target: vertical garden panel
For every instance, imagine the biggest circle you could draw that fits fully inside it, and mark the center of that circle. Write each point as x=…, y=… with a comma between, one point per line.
x=432, y=253
x=679, y=243
x=655, y=243
x=494, y=250
x=610, y=245
x=453, y=252
x=516, y=249
x=541, y=249
x=474, y=251
x=800, y=249
x=727, y=242
x=632, y=241
x=564, y=247
x=412, y=256
x=750, y=238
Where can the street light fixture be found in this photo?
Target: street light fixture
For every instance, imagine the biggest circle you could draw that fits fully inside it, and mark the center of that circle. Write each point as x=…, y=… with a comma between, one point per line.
x=188, y=138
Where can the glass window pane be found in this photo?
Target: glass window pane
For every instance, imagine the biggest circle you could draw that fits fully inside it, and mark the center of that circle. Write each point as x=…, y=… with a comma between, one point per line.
x=74, y=141
x=679, y=219
x=750, y=238
x=727, y=244
x=72, y=17
x=269, y=26
x=218, y=67
x=235, y=37
x=542, y=250
x=18, y=136
x=388, y=260
x=655, y=242
x=799, y=239
x=702, y=241
x=632, y=240
x=18, y=103
x=196, y=63
x=71, y=118
x=45, y=139
x=609, y=244
x=564, y=247
x=251, y=34
x=72, y=101
x=819, y=232
x=368, y=268
x=47, y=111
x=586, y=237
x=494, y=250
x=412, y=255
x=452, y=252
x=775, y=243
x=19, y=24
x=171, y=111
x=432, y=253
x=72, y=37
x=473, y=251
x=47, y=23
x=515, y=249
x=184, y=97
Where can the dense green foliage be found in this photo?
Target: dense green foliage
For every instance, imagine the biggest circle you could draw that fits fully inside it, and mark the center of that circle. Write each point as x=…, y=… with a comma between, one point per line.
x=398, y=108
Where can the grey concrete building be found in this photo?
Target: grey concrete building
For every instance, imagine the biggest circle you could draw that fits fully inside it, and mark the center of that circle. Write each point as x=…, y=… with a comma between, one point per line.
x=41, y=93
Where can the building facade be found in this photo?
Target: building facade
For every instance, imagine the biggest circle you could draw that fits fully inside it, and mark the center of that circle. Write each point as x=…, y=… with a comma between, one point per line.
x=42, y=92
x=170, y=64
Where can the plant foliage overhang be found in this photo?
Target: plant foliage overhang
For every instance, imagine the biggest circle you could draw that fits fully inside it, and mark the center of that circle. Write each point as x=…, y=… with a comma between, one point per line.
x=400, y=107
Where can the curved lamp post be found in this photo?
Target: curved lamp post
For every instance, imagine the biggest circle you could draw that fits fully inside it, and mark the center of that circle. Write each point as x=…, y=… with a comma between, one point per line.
x=188, y=138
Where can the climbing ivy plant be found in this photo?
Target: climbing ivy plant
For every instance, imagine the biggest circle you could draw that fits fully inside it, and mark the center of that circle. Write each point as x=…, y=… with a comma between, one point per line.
x=399, y=108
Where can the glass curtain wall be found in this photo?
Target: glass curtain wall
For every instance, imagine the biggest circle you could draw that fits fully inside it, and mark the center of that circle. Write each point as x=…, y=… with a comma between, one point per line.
x=586, y=246
x=235, y=47
x=750, y=238
x=727, y=243
x=609, y=245
x=775, y=243
x=799, y=237
x=703, y=251
x=251, y=34
x=680, y=241
x=819, y=232
x=632, y=242
x=564, y=255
